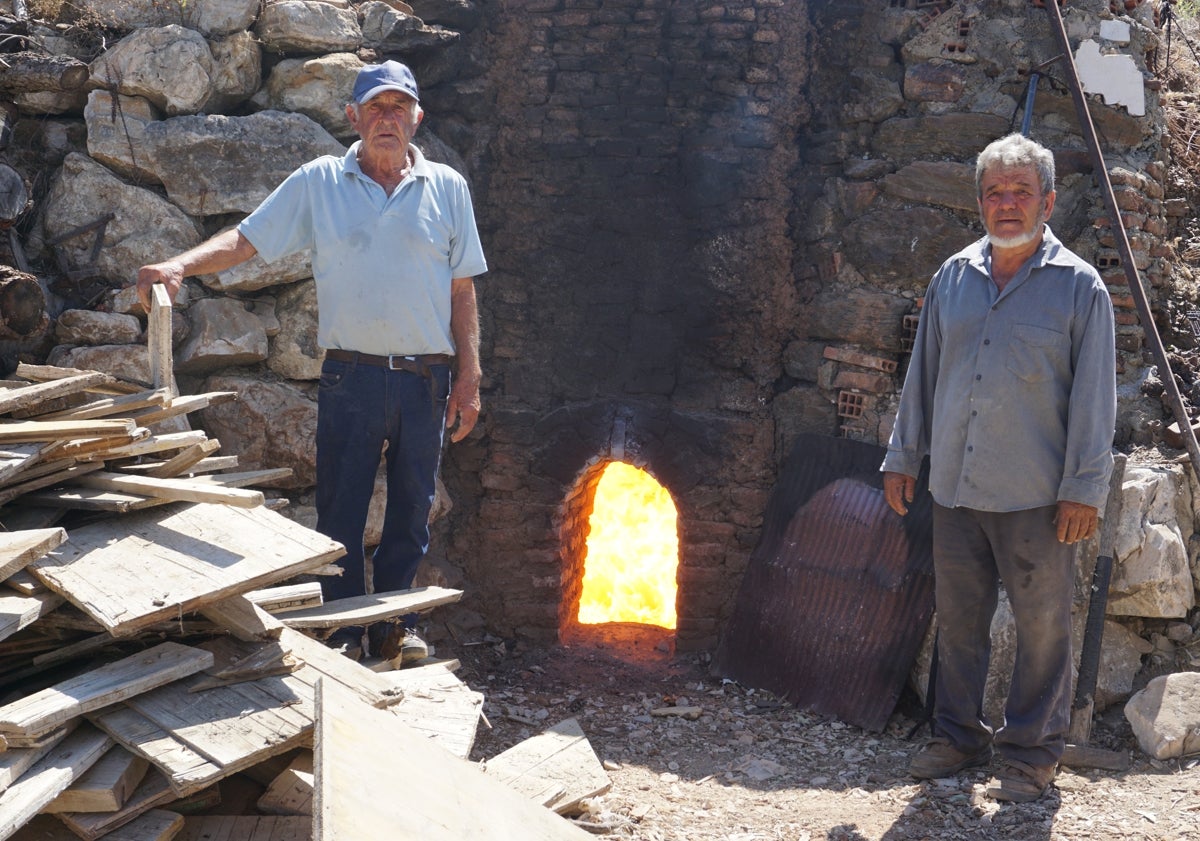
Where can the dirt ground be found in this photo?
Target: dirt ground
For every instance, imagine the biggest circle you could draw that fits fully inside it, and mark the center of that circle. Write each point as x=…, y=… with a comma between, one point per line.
x=751, y=768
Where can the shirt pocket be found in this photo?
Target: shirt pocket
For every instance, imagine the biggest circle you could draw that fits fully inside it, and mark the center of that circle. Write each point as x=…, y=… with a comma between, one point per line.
x=1035, y=353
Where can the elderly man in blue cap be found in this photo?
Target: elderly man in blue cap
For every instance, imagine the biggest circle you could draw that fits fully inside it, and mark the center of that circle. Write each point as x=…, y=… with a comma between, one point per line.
x=395, y=250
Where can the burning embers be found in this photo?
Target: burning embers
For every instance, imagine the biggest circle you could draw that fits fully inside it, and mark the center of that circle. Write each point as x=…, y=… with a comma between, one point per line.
x=632, y=551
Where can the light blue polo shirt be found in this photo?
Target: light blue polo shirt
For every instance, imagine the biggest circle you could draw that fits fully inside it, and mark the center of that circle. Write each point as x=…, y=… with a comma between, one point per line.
x=383, y=264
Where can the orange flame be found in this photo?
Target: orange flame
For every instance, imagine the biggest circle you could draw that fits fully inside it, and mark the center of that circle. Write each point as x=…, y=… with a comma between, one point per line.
x=632, y=551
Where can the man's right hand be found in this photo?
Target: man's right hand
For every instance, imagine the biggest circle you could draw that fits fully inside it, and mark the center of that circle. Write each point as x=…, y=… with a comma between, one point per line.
x=898, y=490
x=169, y=274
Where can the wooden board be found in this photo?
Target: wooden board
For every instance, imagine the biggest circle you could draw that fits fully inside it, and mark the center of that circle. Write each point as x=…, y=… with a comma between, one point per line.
x=20, y=432
x=14, y=763
x=28, y=395
x=439, y=705
x=249, y=828
x=179, y=490
x=19, y=548
x=559, y=760
x=289, y=597
x=15, y=458
x=17, y=611
x=198, y=739
x=154, y=565
x=291, y=793
x=50, y=776
x=363, y=610
x=151, y=792
x=244, y=619
x=109, y=684
x=449, y=800
x=105, y=786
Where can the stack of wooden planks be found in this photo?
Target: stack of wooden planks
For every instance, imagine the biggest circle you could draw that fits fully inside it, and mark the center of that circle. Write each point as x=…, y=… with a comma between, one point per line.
x=162, y=673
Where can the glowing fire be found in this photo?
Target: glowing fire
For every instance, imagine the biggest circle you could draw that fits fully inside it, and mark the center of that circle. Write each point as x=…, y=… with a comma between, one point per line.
x=632, y=551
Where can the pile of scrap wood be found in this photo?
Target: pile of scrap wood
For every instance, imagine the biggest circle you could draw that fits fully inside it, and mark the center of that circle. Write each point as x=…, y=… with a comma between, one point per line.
x=162, y=673
x=155, y=685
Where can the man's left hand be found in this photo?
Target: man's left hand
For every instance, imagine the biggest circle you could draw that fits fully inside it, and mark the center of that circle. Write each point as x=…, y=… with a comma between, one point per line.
x=463, y=407
x=1075, y=521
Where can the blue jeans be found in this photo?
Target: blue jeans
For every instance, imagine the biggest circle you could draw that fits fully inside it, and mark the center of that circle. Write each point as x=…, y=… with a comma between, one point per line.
x=360, y=408
x=973, y=551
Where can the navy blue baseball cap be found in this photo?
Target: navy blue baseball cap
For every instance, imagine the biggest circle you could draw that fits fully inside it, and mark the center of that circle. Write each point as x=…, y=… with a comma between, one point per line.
x=374, y=79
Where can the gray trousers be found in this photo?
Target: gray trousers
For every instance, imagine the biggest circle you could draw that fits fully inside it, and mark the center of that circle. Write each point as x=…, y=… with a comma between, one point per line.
x=973, y=551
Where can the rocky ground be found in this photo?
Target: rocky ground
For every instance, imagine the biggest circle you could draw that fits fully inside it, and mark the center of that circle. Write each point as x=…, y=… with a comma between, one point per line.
x=751, y=768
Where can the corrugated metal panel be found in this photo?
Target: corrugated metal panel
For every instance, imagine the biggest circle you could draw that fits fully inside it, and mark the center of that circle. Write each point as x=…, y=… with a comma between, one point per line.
x=838, y=595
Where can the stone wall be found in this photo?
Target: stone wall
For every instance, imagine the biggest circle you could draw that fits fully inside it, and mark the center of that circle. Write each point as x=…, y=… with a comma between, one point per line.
x=708, y=225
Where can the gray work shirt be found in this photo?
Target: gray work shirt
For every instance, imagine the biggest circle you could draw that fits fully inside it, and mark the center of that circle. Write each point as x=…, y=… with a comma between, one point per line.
x=1011, y=394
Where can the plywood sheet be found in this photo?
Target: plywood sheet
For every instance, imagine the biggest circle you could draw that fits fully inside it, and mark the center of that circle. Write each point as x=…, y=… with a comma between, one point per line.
x=131, y=572
x=450, y=800
x=438, y=705
x=560, y=762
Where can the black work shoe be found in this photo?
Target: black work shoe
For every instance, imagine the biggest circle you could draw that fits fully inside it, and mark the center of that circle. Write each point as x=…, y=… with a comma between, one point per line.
x=940, y=758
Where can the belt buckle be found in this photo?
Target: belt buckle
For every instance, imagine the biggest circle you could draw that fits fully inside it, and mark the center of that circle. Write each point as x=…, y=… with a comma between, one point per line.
x=396, y=362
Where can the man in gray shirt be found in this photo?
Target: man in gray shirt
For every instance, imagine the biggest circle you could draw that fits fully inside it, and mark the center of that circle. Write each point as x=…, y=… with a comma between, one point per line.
x=1011, y=392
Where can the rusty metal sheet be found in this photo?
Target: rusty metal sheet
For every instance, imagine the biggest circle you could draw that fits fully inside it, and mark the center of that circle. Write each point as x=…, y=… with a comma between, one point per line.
x=838, y=595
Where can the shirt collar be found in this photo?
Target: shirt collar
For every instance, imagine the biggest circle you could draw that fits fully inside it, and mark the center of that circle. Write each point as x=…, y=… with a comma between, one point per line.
x=1050, y=252
x=421, y=167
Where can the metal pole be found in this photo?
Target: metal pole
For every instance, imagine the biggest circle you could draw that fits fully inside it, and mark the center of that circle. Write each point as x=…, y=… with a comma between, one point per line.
x=1153, y=340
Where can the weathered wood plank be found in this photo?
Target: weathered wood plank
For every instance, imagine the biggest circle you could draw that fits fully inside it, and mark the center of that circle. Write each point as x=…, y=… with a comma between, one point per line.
x=450, y=799
x=21, y=432
x=183, y=406
x=184, y=770
x=559, y=759
x=177, y=490
x=153, y=791
x=439, y=705
x=17, y=611
x=28, y=395
x=14, y=763
x=325, y=662
x=205, y=465
x=243, y=619
x=157, y=564
x=104, y=407
x=288, y=597
x=16, y=458
x=109, y=684
x=154, y=825
x=158, y=340
x=185, y=460
x=291, y=793
x=19, y=548
x=50, y=776
x=46, y=373
x=248, y=828
x=156, y=444
x=361, y=610
x=105, y=786
x=68, y=474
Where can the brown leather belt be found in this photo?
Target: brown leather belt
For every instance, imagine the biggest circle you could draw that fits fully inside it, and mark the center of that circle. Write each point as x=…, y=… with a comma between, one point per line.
x=413, y=364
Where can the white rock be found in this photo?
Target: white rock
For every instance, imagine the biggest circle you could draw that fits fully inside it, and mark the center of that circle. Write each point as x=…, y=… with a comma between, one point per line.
x=1121, y=653
x=298, y=26
x=145, y=228
x=237, y=71
x=88, y=327
x=1165, y=716
x=131, y=362
x=317, y=87
x=169, y=65
x=223, y=334
x=115, y=132
x=295, y=353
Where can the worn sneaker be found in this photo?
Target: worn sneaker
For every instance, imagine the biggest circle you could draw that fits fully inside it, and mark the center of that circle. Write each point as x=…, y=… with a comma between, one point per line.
x=940, y=758
x=1020, y=782
x=412, y=648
